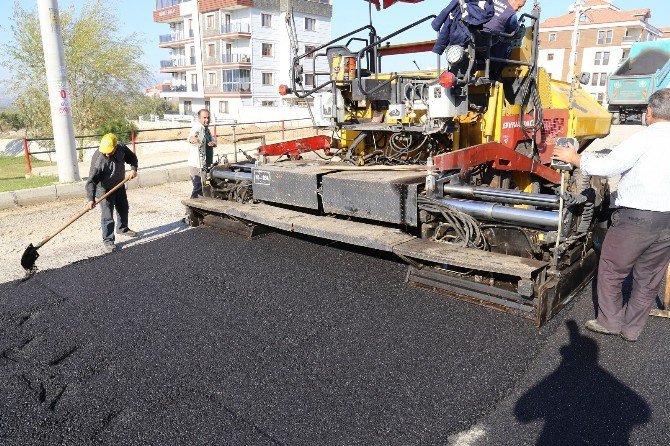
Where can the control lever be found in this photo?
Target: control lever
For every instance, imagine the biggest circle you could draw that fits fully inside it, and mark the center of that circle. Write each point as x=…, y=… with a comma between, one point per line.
x=562, y=165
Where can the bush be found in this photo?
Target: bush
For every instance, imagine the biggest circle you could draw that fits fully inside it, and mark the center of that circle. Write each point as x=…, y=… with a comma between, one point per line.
x=120, y=127
x=11, y=120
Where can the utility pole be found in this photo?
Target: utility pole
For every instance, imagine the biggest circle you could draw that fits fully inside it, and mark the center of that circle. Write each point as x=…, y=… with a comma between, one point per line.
x=59, y=94
x=579, y=9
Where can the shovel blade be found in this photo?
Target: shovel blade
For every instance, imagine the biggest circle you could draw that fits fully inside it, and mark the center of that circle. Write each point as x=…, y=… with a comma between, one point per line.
x=28, y=258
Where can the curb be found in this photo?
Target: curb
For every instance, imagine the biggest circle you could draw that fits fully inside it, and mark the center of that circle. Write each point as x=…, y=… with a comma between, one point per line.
x=65, y=191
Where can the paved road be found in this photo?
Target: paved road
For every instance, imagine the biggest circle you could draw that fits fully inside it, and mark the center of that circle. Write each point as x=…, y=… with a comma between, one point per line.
x=211, y=339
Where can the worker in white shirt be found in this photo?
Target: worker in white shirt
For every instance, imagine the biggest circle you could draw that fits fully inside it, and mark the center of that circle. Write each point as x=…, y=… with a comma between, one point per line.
x=639, y=238
x=201, y=153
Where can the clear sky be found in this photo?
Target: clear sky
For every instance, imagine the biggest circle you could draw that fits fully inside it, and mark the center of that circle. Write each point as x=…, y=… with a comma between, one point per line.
x=136, y=16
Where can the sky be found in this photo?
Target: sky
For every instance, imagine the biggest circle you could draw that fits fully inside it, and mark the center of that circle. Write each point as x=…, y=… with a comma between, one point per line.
x=136, y=16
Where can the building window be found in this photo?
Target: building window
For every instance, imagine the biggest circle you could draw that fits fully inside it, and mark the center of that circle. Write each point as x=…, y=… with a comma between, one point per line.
x=309, y=80
x=606, y=58
x=594, y=79
x=601, y=97
x=211, y=50
x=310, y=24
x=605, y=37
x=267, y=79
x=194, y=82
x=210, y=20
x=552, y=37
x=550, y=56
x=223, y=107
x=309, y=49
x=188, y=107
x=266, y=49
x=603, y=79
x=266, y=20
x=211, y=78
x=598, y=58
x=236, y=81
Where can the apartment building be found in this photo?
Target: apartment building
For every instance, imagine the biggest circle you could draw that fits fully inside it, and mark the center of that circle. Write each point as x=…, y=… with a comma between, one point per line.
x=229, y=55
x=605, y=35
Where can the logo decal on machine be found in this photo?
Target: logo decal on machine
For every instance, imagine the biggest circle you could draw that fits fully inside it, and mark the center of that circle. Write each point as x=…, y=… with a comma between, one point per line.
x=262, y=177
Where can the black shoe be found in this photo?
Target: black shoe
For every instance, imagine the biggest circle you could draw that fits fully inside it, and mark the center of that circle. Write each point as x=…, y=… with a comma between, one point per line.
x=127, y=233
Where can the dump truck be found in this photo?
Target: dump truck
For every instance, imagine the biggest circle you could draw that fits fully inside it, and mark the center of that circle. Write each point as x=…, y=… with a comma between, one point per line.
x=646, y=70
x=447, y=168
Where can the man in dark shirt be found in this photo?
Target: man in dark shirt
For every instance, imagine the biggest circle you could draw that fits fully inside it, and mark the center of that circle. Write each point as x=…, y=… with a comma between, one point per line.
x=107, y=170
x=503, y=21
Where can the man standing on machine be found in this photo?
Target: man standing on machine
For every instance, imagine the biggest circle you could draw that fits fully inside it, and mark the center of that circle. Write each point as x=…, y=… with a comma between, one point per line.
x=201, y=153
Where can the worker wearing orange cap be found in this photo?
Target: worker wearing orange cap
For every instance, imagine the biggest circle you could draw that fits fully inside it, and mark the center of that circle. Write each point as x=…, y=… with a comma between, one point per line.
x=107, y=170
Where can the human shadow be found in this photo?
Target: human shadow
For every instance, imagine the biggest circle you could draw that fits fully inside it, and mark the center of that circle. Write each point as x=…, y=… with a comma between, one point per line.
x=156, y=232
x=580, y=402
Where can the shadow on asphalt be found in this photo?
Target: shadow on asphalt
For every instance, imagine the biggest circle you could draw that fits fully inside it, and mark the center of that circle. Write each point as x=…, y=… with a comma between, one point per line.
x=580, y=402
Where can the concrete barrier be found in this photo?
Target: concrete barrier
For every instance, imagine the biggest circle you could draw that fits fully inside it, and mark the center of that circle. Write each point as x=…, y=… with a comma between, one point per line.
x=26, y=197
x=148, y=178
x=70, y=190
x=178, y=174
x=7, y=200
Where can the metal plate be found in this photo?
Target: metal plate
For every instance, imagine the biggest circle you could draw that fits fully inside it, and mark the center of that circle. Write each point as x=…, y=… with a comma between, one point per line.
x=293, y=183
x=385, y=196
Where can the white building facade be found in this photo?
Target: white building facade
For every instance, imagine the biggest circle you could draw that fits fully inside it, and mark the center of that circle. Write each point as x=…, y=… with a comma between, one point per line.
x=605, y=36
x=230, y=56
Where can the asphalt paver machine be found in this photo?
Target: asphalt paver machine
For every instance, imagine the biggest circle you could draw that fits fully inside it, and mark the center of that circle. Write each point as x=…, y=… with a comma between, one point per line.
x=449, y=168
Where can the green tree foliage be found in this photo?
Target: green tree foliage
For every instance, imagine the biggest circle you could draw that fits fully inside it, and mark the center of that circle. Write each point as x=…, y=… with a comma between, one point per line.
x=145, y=105
x=11, y=120
x=104, y=72
x=120, y=126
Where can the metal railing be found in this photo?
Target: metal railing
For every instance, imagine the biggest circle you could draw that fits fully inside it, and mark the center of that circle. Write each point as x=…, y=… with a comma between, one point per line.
x=236, y=58
x=166, y=38
x=236, y=87
x=176, y=63
x=235, y=28
x=130, y=137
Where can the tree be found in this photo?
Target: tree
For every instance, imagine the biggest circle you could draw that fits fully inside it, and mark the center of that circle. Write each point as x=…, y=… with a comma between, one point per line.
x=104, y=72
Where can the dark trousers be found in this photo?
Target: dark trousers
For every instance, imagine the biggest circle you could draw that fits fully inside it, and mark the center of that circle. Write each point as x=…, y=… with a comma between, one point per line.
x=196, y=179
x=638, y=241
x=117, y=201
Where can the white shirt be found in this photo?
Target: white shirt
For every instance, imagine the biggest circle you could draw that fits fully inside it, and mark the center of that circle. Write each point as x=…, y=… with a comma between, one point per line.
x=643, y=160
x=198, y=130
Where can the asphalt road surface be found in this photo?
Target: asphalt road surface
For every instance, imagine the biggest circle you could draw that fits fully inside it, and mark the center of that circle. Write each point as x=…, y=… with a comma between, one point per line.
x=203, y=338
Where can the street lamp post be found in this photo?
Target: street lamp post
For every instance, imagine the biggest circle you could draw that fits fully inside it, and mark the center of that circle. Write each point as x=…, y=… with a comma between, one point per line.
x=579, y=9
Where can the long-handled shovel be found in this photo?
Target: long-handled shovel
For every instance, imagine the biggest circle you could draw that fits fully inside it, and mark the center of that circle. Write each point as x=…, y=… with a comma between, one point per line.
x=30, y=254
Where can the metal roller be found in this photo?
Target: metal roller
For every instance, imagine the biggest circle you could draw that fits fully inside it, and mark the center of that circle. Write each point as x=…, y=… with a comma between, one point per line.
x=232, y=176
x=503, y=195
x=504, y=214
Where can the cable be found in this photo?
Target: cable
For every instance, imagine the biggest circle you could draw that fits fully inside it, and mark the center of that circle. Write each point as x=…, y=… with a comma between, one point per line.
x=458, y=227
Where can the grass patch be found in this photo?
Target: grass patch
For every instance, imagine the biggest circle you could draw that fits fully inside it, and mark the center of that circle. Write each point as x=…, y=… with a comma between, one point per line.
x=13, y=174
x=12, y=167
x=9, y=184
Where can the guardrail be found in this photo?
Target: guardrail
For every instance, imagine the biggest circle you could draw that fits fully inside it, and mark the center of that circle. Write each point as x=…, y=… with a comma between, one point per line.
x=233, y=134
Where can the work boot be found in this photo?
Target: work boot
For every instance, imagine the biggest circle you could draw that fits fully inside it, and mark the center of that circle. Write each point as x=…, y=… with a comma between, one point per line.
x=127, y=233
x=110, y=247
x=593, y=325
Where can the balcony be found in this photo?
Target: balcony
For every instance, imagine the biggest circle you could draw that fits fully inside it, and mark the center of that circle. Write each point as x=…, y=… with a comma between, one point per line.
x=630, y=39
x=171, y=40
x=236, y=87
x=236, y=59
x=175, y=64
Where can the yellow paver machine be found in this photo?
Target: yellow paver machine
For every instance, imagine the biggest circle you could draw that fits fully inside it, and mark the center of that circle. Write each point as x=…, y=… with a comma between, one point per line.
x=448, y=168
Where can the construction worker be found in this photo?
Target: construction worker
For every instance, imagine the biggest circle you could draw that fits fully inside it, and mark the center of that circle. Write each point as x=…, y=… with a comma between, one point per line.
x=200, y=156
x=107, y=170
x=639, y=238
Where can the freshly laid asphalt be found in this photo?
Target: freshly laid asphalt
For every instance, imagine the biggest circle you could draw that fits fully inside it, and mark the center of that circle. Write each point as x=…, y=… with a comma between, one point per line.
x=204, y=338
